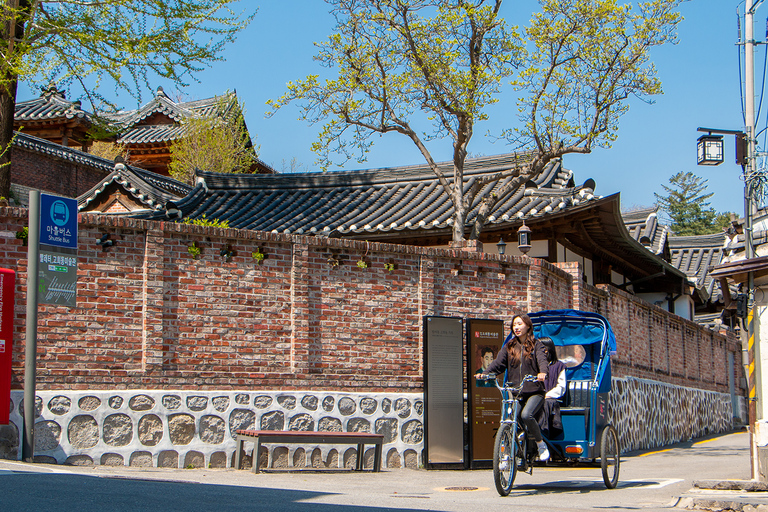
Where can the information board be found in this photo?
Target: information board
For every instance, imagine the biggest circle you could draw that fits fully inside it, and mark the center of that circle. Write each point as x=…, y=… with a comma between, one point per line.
x=443, y=391
x=57, y=268
x=484, y=340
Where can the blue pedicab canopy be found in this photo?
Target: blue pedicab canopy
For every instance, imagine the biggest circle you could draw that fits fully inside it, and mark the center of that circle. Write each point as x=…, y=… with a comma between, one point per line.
x=572, y=327
x=590, y=330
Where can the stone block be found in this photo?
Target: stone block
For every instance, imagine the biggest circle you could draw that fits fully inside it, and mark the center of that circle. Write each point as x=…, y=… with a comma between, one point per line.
x=150, y=430
x=89, y=403
x=181, y=428
x=118, y=430
x=168, y=459
x=83, y=432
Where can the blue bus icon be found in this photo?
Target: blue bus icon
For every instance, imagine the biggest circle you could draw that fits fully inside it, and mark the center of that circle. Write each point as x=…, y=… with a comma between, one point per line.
x=59, y=213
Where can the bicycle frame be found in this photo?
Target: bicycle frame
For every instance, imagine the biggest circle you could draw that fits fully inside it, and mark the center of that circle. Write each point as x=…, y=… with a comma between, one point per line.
x=510, y=414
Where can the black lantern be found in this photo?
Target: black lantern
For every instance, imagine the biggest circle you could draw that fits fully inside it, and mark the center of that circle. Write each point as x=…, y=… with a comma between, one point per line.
x=524, y=239
x=502, y=246
x=710, y=150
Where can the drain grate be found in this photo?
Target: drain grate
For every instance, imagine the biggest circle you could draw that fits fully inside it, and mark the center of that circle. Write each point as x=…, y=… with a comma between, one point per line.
x=461, y=489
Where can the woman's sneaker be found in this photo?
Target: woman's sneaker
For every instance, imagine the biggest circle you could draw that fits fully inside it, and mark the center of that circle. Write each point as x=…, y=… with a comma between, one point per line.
x=543, y=451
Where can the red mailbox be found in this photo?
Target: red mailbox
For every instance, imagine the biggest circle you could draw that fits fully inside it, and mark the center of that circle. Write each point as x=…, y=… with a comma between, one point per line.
x=7, y=293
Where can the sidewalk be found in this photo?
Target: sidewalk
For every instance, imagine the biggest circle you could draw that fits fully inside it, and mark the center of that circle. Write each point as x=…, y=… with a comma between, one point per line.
x=736, y=495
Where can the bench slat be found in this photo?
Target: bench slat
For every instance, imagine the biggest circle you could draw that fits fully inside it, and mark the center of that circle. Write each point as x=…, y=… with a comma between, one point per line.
x=299, y=436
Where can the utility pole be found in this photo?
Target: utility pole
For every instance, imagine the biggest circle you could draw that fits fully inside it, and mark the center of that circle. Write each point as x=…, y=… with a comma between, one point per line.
x=753, y=344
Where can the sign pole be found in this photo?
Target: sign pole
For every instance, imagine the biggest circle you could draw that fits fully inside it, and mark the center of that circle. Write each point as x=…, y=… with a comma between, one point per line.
x=30, y=359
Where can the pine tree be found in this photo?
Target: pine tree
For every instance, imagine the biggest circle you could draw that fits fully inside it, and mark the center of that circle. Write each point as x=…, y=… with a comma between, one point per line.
x=687, y=208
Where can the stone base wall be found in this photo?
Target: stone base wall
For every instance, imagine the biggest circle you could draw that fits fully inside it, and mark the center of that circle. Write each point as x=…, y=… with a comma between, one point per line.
x=180, y=429
x=648, y=414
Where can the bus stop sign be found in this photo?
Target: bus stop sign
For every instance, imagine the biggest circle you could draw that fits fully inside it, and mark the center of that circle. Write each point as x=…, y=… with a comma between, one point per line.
x=58, y=251
x=58, y=221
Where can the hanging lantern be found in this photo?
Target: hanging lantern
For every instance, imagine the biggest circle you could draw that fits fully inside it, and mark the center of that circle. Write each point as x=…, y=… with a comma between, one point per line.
x=709, y=150
x=501, y=246
x=524, y=239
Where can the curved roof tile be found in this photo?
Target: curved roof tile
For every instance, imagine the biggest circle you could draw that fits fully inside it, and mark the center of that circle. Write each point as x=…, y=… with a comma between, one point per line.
x=50, y=105
x=363, y=203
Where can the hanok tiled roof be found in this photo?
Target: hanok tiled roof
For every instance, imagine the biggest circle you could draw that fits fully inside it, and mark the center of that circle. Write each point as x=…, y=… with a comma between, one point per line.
x=161, y=104
x=372, y=204
x=50, y=105
x=47, y=147
x=147, y=188
x=695, y=255
x=644, y=226
x=408, y=205
x=136, y=132
x=152, y=133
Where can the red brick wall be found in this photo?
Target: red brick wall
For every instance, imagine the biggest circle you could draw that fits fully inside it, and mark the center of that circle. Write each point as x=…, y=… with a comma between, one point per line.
x=54, y=175
x=148, y=315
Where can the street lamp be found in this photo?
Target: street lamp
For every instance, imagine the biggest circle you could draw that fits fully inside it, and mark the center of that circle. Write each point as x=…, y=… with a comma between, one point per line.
x=501, y=246
x=709, y=150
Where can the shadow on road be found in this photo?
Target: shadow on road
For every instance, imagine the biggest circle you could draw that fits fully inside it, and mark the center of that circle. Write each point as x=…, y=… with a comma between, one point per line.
x=580, y=486
x=37, y=491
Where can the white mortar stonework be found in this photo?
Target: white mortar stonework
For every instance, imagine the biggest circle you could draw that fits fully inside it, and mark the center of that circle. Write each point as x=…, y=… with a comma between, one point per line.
x=197, y=428
x=648, y=414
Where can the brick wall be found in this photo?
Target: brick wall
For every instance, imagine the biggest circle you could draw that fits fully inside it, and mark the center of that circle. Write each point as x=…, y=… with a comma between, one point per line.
x=54, y=175
x=308, y=316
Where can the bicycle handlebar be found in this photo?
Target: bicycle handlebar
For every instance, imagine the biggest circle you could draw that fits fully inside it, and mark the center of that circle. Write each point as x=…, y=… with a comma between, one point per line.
x=513, y=389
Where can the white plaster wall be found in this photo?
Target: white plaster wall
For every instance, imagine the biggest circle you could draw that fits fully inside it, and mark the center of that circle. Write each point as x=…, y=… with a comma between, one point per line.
x=56, y=436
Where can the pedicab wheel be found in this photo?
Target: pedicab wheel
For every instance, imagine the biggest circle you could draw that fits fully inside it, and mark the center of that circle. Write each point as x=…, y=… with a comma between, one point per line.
x=610, y=457
x=504, y=460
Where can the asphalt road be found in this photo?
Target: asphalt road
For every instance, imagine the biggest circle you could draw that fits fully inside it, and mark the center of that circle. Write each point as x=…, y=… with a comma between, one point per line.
x=648, y=481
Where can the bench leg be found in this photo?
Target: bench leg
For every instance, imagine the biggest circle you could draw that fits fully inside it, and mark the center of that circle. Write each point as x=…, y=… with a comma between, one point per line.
x=360, y=460
x=377, y=457
x=256, y=452
x=237, y=453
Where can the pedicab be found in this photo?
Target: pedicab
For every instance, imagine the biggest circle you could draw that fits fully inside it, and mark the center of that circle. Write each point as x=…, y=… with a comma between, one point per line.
x=585, y=342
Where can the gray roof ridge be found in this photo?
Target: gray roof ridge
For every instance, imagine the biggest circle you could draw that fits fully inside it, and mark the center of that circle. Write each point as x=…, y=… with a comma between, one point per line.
x=144, y=185
x=205, y=102
x=26, y=140
x=680, y=241
x=417, y=172
x=641, y=214
x=161, y=104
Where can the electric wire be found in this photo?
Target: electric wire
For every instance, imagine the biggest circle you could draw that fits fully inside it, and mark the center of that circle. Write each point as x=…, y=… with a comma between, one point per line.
x=738, y=54
x=762, y=86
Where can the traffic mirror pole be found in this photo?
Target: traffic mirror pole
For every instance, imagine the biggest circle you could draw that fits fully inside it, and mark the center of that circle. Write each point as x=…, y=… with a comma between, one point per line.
x=30, y=347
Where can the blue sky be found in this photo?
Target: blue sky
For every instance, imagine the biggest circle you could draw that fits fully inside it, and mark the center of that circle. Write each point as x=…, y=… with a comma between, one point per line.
x=700, y=78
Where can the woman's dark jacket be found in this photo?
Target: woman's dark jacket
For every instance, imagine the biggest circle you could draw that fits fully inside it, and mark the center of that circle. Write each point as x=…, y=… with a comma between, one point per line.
x=535, y=363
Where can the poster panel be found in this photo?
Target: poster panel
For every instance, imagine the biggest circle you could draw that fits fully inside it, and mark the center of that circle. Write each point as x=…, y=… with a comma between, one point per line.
x=443, y=391
x=484, y=340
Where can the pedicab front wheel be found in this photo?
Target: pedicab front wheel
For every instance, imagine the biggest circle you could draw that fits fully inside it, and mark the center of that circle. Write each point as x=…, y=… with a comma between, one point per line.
x=610, y=458
x=504, y=459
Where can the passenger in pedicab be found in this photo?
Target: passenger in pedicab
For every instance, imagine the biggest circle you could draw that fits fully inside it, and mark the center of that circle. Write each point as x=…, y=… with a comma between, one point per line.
x=523, y=355
x=554, y=386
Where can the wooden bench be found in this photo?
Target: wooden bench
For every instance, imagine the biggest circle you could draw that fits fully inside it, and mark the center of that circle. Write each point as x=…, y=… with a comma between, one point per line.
x=301, y=436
